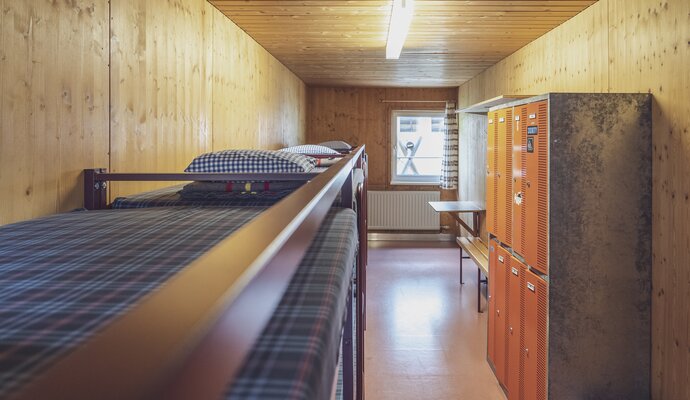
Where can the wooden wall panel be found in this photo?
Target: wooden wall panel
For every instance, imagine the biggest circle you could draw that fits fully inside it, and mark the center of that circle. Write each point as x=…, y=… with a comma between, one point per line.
x=630, y=46
x=138, y=98
x=53, y=103
x=257, y=101
x=358, y=116
x=159, y=100
x=186, y=80
x=472, y=164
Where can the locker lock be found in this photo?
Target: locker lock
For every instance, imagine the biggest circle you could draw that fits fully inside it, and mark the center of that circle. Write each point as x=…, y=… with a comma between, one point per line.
x=511, y=330
x=518, y=198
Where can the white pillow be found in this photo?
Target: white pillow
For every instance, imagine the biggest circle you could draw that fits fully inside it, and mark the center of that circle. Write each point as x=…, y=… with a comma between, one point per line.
x=310, y=149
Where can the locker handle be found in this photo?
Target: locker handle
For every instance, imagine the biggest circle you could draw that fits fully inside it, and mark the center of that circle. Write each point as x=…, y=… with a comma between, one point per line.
x=498, y=312
x=527, y=352
x=511, y=330
x=518, y=198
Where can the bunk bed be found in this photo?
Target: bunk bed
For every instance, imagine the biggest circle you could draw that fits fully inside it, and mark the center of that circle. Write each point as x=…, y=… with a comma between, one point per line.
x=176, y=335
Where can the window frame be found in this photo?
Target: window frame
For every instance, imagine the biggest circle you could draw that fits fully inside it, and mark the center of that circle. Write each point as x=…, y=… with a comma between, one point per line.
x=420, y=180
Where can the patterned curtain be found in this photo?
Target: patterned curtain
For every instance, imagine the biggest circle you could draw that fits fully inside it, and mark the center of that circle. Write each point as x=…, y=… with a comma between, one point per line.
x=449, y=167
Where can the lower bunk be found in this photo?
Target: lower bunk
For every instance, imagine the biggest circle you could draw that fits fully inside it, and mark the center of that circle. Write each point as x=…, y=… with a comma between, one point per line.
x=64, y=279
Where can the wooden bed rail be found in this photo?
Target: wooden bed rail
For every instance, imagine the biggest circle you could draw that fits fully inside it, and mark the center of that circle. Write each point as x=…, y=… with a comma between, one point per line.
x=189, y=338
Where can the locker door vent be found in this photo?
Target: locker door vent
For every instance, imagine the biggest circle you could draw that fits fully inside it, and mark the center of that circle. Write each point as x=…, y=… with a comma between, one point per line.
x=495, y=205
x=508, y=201
x=543, y=201
x=542, y=341
x=506, y=316
x=523, y=181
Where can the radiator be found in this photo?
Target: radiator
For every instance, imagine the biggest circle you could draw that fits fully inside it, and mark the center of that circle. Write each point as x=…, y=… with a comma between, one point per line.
x=402, y=211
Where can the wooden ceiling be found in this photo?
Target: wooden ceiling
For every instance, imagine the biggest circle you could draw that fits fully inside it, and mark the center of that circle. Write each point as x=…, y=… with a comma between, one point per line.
x=334, y=42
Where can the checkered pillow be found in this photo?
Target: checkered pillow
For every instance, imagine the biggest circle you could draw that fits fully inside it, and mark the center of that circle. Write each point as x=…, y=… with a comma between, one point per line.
x=338, y=145
x=310, y=149
x=252, y=161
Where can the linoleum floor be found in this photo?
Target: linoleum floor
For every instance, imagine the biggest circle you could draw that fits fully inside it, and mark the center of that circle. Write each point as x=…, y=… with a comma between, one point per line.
x=424, y=337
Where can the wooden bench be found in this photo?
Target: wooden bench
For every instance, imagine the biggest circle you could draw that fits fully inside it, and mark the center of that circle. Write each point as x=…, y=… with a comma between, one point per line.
x=479, y=253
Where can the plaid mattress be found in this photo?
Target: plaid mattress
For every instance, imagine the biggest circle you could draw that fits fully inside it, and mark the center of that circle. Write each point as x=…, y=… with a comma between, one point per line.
x=64, y=277
x=297, y=354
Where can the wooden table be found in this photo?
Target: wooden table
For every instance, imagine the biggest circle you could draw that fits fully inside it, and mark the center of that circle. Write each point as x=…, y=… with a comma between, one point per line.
x=455, y=208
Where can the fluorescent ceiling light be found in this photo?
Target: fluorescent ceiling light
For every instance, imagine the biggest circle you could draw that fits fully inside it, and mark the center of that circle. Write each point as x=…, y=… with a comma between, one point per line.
x=399, y=26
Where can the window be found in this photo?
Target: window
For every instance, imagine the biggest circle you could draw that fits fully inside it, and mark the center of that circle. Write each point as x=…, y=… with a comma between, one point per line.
x=417, y=147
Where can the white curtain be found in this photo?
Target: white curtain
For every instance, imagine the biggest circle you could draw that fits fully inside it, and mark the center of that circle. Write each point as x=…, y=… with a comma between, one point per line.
x=449, y=166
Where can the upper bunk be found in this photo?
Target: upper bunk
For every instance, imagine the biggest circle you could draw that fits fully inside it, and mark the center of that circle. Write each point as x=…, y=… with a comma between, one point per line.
x=169, y=302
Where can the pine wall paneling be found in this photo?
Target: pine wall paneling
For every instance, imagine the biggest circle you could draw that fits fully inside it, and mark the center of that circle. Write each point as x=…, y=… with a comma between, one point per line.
x=629, y=46
x=53, y=103
x=257, y=101
x=358, y=116
x=171, y=80
x=160, y=96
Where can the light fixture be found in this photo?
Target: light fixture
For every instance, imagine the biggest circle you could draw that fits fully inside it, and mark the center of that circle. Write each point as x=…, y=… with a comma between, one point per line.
x=401, y=18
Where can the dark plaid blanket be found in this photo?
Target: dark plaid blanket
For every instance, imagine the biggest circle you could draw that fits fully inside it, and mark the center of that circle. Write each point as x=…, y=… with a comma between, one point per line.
x=170, y=197
x=63, y=278
x=296, y=356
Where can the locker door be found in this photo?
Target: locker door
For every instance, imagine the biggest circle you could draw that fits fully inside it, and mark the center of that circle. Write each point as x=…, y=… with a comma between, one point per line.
x=491, y=331
x=507, y=177
x=535, y=336
x=535, y=194
x=519, y=146
x=515, y=311
x=501, y=301
x=491, y=174
x=501, y=166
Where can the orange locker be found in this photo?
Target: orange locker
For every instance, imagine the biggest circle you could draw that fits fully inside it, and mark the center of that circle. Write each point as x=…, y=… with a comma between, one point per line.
x=491, y=354
x=530, y=190
x=535, y=295
x=491, y=174
x=504, y=170
x=519, y=145
x=501, y=313
x=515, y=305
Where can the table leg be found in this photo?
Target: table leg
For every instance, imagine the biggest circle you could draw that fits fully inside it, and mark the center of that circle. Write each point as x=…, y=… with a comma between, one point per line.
x=479, y=290
x=461, y=257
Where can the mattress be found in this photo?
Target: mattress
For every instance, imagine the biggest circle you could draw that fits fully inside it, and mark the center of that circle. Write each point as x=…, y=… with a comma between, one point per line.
x=64, y=278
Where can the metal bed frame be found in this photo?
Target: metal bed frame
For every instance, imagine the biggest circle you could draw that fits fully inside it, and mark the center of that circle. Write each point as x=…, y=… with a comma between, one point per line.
x=216, y=326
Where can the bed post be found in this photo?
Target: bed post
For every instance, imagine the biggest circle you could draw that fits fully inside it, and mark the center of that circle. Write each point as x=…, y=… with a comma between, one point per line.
x=361, y=197
x=348, y=352
x=95, y=190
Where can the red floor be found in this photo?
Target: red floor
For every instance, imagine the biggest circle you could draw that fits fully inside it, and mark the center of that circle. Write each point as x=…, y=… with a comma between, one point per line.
x=424, y=338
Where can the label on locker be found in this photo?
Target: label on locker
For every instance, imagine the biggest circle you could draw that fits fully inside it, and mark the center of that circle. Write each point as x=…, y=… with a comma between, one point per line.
x=491, y=121
x=501, y=120
x=532, y=130
x=530, y=286
x=500, y=258
x=518, y=198
x=517, y=117
x=515, y=271
x=532, y=116
x=530, y=145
